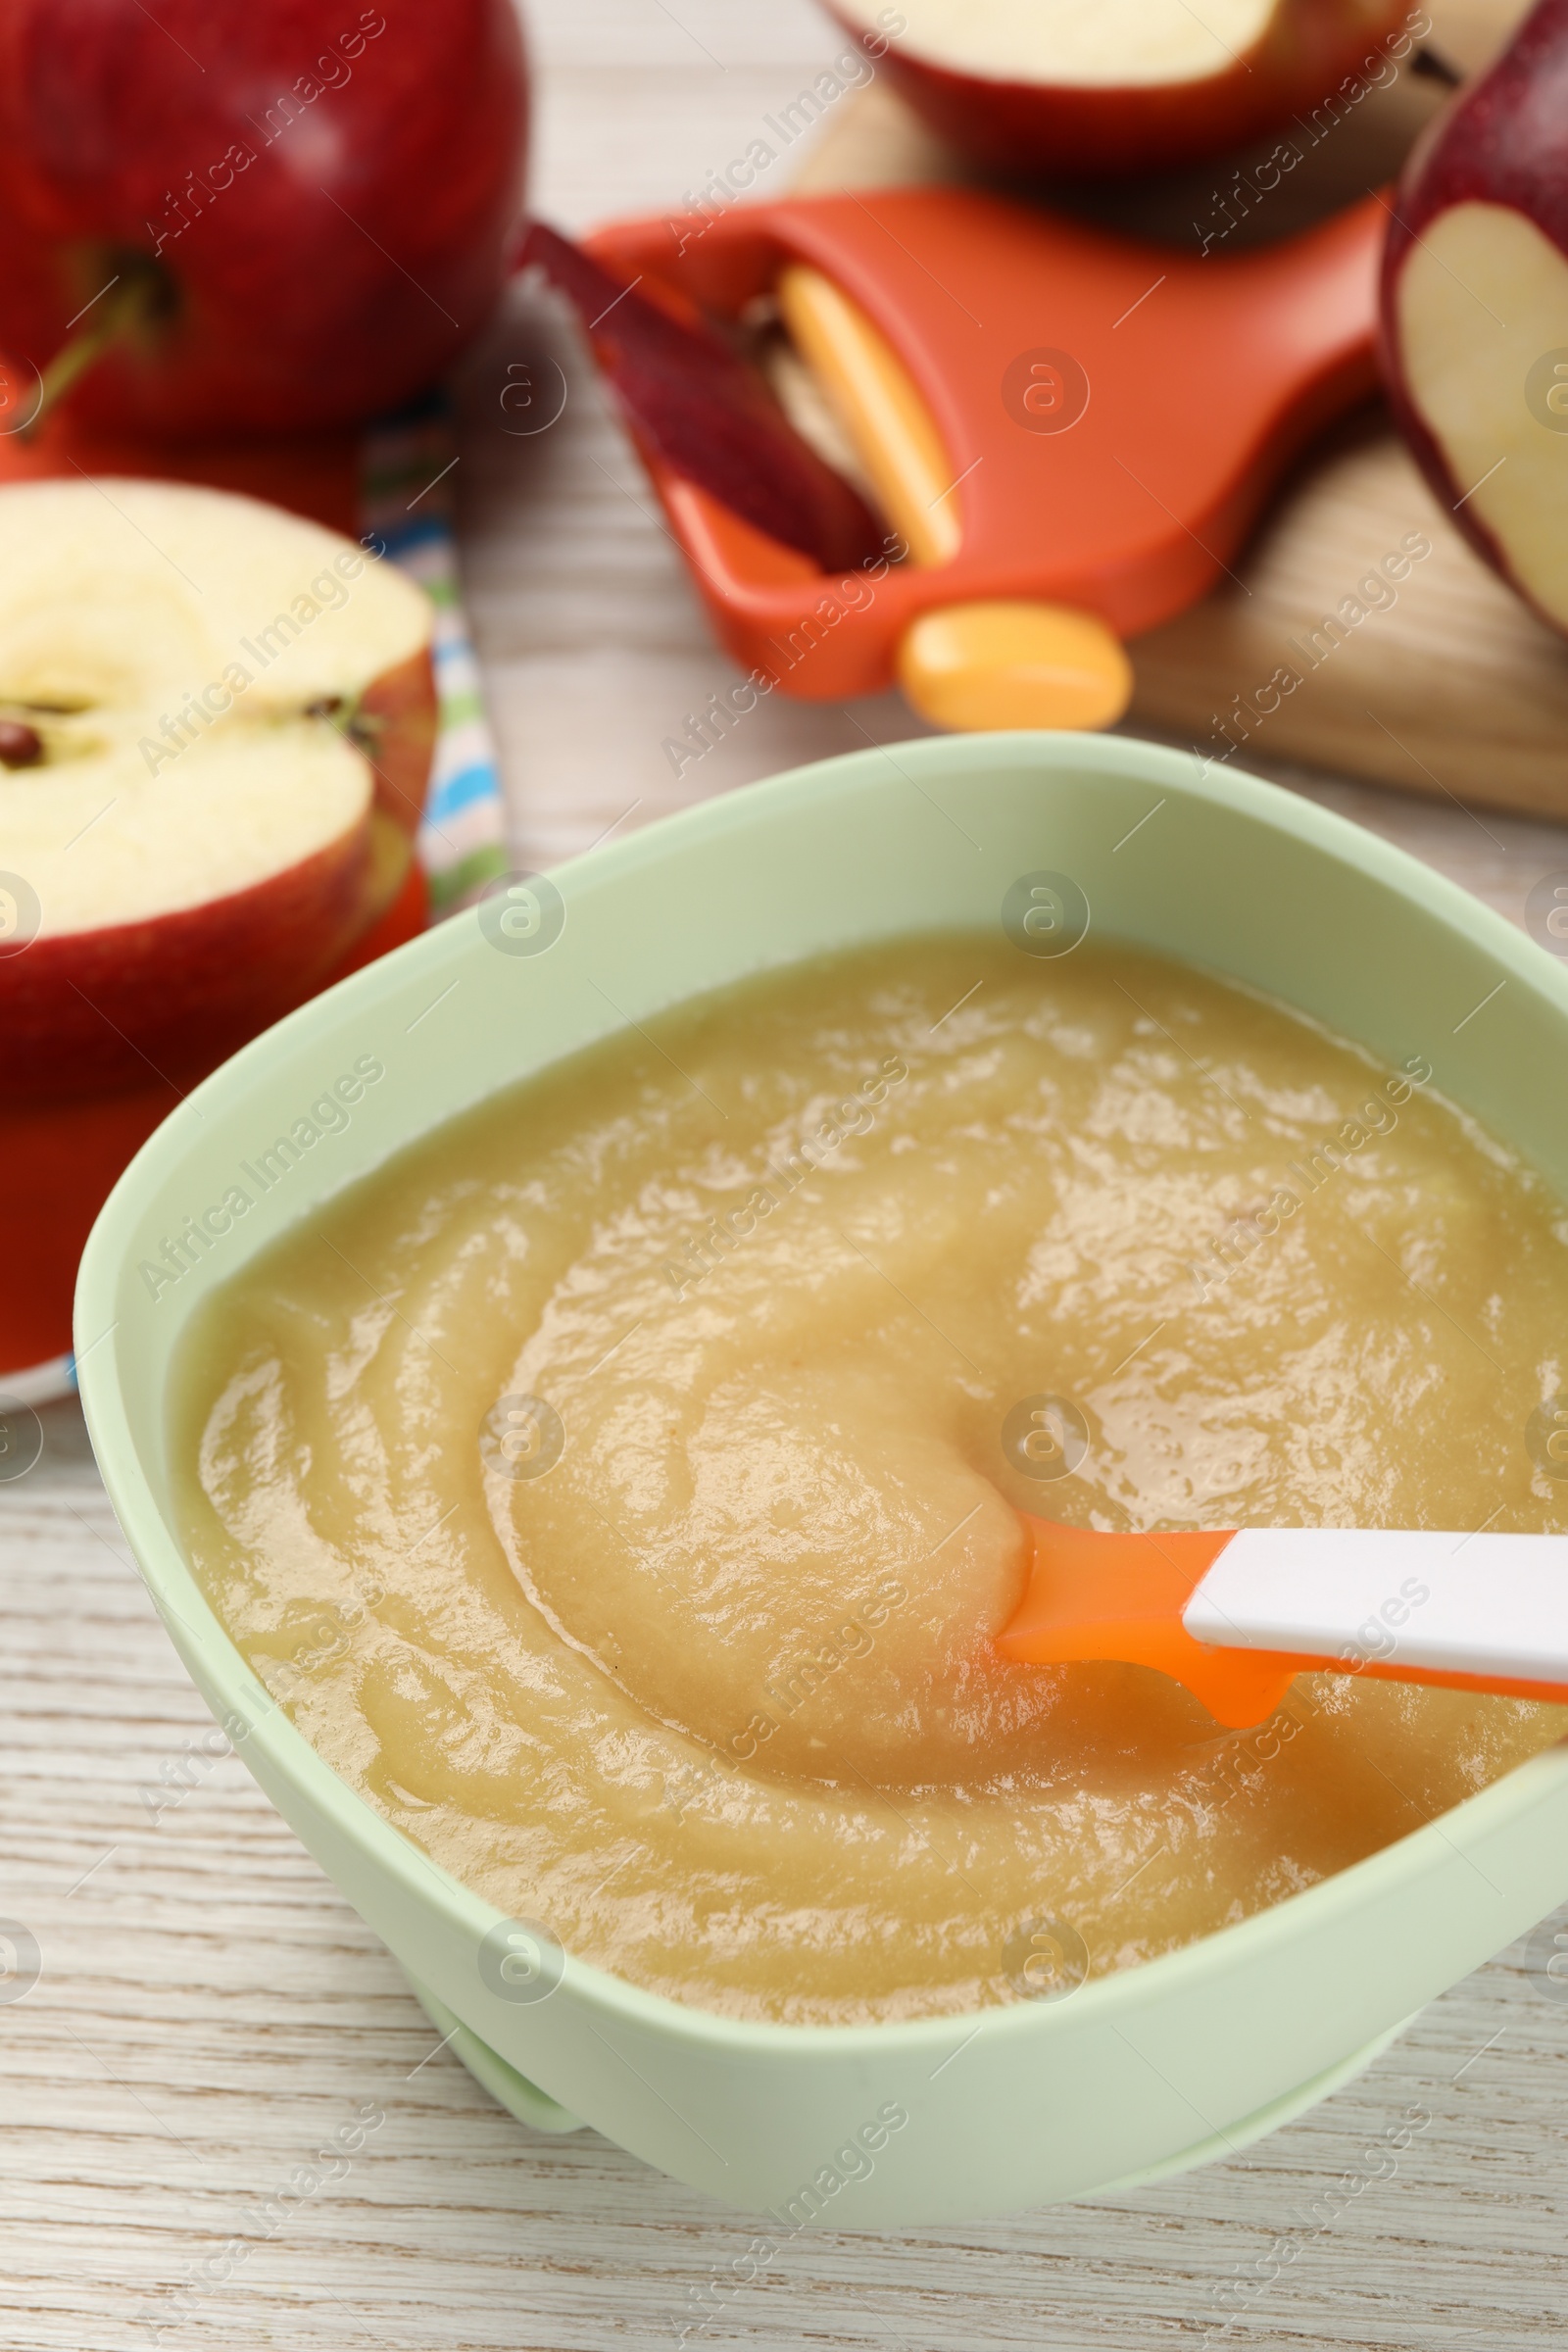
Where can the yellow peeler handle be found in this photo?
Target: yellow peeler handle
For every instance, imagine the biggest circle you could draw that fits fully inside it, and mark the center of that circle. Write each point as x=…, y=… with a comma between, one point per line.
x=1014, y=664
x=1007, y=662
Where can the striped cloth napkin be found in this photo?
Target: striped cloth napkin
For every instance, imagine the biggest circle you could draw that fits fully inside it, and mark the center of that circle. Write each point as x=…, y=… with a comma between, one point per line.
x=405, y=499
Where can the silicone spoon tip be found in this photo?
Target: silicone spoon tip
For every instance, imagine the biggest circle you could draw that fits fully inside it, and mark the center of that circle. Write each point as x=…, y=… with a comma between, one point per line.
x=1236, y=1616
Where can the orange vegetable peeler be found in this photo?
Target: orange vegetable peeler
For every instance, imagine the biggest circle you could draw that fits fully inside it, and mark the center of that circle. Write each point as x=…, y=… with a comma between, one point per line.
x=1070, y=432
x=1237, y=1616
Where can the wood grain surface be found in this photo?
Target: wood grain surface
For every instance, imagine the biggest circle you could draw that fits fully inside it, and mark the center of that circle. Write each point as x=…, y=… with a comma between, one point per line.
x=209, y=2009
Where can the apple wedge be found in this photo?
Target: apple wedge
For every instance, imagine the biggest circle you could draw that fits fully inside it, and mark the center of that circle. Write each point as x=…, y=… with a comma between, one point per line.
x=216, y=720
x=1475, y=311
x=707, y=413
x=1099, y=88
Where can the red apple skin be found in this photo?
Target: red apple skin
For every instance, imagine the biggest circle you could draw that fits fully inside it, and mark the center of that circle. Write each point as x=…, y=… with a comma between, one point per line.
x=326, y=279
x=395, y=727
x=1066, y=131
x=1503, y=140
x=89, y=1010
x=60, y=1158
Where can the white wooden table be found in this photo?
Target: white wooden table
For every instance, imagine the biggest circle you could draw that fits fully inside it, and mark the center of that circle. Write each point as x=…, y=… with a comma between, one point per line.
x=210, y=2010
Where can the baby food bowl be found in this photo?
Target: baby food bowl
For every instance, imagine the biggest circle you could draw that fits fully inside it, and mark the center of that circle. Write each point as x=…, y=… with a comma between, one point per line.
x=1133, y=2075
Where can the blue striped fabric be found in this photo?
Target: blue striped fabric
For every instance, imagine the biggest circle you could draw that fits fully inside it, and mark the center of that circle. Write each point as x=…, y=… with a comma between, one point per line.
x=406, y=501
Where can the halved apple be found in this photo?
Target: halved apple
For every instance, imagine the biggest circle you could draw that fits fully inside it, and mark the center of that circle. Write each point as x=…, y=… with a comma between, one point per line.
x=1091, y=88
x=216, y=720
x=1475, y=311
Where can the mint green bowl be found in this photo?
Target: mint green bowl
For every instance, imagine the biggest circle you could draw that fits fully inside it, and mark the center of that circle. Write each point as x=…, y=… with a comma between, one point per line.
x=1136, y=2073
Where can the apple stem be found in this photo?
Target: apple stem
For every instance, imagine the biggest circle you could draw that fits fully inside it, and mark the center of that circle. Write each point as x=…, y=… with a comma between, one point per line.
x=127, y=304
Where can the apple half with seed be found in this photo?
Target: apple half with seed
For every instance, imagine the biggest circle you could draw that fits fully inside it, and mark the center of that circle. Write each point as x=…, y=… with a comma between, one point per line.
x=1475, y=311
x=1101, y=88
x=216, y=724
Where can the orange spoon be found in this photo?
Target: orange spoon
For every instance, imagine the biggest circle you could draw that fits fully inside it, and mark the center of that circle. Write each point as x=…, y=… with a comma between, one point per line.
x=1235, y=1617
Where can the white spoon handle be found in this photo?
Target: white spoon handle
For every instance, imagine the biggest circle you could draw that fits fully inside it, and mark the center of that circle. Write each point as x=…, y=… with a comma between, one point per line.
x=1478, y=1605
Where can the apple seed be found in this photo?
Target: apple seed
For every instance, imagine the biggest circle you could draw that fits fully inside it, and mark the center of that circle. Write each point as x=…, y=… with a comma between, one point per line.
x=21, y=746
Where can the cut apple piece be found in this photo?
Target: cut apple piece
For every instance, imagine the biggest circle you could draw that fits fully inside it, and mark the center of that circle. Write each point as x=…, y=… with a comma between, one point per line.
x=697, y=406
x=213, y=686
x=1118, y=86
x=1115, y=44
x=1482, y=299
x=1475, y=313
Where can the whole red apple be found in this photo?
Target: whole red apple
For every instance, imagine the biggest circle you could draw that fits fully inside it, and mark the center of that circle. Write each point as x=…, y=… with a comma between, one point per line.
x=1475, y=311
x=1101, y=88
x=251, y=219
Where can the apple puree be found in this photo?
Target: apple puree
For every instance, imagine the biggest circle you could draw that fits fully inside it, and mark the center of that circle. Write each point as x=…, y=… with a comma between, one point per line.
x=690, y=1656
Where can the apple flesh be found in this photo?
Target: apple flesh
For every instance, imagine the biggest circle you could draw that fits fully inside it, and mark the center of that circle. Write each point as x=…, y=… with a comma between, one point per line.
x=1107, y=89
x=283, y=216
x=202, y=833
x=1475, y=311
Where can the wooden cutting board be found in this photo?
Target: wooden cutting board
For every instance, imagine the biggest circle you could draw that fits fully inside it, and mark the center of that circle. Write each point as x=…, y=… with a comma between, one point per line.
x=1443, y=683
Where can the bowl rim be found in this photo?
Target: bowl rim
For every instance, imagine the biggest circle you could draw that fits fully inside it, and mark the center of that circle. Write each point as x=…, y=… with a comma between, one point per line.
x=388, y=1851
